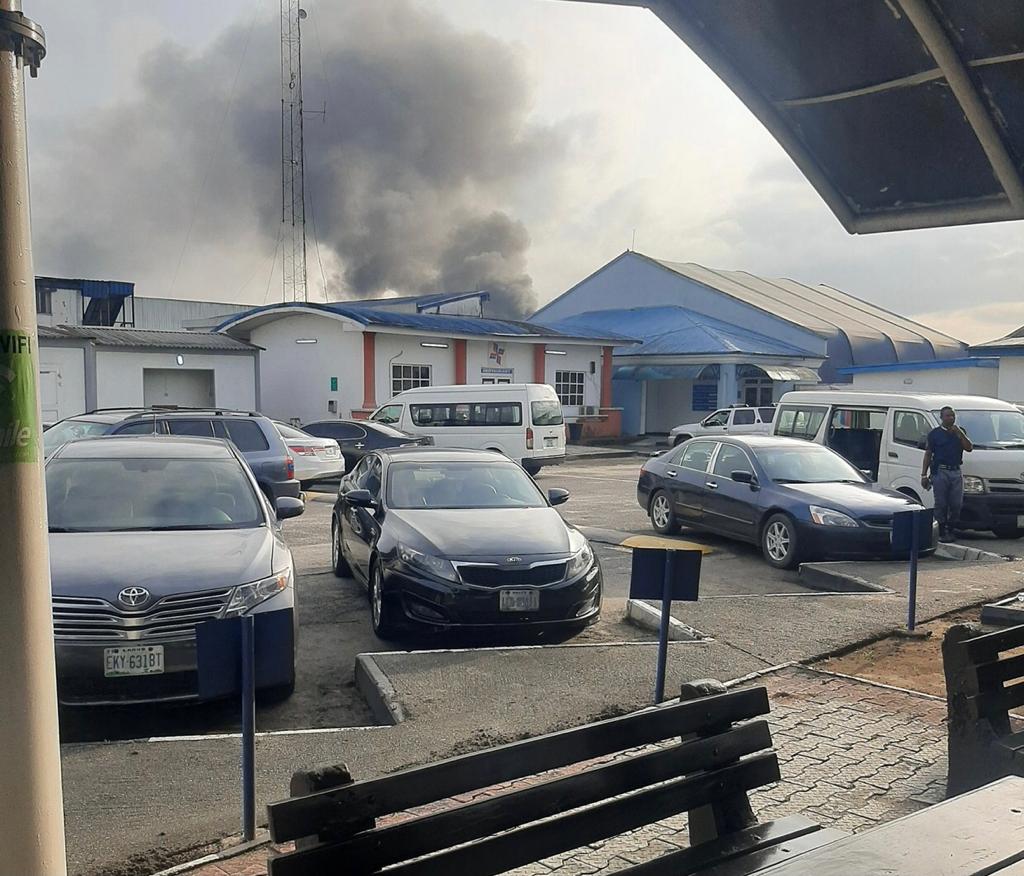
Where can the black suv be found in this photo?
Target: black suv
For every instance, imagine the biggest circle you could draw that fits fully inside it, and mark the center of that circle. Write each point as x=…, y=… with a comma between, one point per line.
x=254, y=435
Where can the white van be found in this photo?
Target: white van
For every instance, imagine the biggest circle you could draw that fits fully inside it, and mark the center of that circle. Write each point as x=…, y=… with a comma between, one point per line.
x=521, y=420
x=884, y=433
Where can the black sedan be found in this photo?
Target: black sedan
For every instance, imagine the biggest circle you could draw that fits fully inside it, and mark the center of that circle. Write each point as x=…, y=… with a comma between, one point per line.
x=461, y=538
x=356, y=438
x=797, y=500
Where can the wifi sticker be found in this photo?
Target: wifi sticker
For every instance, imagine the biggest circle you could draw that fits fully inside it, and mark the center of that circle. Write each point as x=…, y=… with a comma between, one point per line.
x=19, y=437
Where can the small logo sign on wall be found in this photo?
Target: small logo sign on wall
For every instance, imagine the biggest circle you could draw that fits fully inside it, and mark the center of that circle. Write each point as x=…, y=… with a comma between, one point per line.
x=17, y=398
x=497, y=353
x=334, y=384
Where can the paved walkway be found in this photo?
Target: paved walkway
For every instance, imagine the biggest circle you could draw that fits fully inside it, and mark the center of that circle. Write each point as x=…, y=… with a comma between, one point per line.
x=852, y=755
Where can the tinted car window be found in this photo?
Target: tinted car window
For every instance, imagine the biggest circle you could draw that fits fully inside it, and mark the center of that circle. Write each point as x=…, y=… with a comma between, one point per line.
x=766, y=414
x=140, y=427
x=800, y=422
x=696, y=455
x=719, y=418
x=246, y=435
x=546, y=413
x=731, y=459
x=117, y=495
x=743, y=417
x=478, y=414
x=461, y=485
x=198, y=428
x=910, y=428
x=388, y=414
x=339, y=431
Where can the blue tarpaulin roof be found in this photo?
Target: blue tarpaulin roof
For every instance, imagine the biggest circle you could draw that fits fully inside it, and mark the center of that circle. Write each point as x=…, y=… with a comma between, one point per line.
x=678, y=331
x=89, y=288
x=433, y=322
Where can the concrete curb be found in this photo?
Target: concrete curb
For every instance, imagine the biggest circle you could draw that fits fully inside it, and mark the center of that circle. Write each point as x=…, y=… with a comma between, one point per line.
x=647, y=617
x=823, y=576
x=373, y=684
x=603, y=454
x=262, y=839
x=968, y=554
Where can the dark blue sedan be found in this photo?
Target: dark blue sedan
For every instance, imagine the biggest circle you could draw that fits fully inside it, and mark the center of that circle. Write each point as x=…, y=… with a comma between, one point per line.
x=796, y=500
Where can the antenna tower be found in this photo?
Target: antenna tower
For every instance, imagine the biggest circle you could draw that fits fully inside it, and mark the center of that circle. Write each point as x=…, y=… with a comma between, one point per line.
x=293, y=198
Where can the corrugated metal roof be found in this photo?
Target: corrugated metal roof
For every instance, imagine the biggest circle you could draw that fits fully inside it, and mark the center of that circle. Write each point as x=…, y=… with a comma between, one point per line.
x=901, y=113
x=677, y=331
x=443, y=324
x=143, y=338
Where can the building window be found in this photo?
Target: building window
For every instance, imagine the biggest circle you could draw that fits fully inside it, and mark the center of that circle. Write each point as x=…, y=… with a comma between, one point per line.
x=405, y=377
x=44, y=301
x=758, y=391
x=569, y=388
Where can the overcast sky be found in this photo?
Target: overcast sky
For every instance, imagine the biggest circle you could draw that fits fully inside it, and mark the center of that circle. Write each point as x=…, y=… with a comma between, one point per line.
x=515, y=143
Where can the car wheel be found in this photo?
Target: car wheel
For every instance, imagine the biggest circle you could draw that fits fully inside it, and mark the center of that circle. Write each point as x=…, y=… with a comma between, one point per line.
x=338, y=561
x=663, y=517
x=381, y=611
x=278, y=693
x=779, y=542
x=1008, y=532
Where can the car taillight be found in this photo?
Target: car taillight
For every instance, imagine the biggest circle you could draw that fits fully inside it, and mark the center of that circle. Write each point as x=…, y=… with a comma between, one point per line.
x=302, y=450
x=289, y=467
x=529, y=438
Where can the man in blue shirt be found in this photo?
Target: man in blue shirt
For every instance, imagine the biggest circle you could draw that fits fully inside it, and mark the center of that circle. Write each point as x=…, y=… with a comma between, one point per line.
x=943, y=457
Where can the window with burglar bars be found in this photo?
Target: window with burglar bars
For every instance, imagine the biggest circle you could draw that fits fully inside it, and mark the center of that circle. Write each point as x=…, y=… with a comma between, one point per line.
x=569, y=388
x=405, y=377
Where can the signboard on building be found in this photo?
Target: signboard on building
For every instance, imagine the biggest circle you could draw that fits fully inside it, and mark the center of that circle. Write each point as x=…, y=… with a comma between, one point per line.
x=705, y=397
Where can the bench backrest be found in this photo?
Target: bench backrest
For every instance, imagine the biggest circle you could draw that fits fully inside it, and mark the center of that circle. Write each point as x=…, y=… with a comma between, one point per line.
x=707, y=759
x=999, y=679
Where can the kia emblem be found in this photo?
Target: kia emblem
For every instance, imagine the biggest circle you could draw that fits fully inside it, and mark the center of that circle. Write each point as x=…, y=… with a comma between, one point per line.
x=513, y=560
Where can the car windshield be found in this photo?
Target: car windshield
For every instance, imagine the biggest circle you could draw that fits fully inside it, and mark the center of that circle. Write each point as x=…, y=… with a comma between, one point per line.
x=809, y=464
x=71, y=430
x=461, y=485
x=992, y=430
x=120, y=495
x=547, y=412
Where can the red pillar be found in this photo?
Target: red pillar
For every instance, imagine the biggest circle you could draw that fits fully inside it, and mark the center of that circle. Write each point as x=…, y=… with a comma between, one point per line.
x=460, y=362
x=539, y=352
x=606, y=377
x=369, y=371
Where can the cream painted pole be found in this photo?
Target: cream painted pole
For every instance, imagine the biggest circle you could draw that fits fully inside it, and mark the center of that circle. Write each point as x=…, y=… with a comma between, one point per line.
x=32, y=825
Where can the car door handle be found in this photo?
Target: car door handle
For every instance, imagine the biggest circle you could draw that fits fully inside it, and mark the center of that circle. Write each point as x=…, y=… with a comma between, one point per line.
x=670, y=474
x=711, y=485
x=360, y=445
x=893, y=455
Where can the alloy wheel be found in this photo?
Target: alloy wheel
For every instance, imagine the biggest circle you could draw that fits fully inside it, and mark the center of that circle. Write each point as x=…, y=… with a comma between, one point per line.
x=777, y=540
x=376, y=598
x=660, y=511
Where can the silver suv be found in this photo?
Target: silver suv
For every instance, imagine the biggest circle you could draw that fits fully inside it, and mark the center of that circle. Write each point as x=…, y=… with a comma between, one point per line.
x=734, y=421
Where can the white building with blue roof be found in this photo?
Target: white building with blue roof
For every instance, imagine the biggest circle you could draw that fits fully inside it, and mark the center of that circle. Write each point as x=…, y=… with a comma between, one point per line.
x=712, y=338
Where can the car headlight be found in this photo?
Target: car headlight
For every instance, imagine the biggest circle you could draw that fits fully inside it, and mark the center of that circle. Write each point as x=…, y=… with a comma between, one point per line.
x=583, y=555
x=830, y=517
x=436, y=566
x=973, y=484
x=247, y=596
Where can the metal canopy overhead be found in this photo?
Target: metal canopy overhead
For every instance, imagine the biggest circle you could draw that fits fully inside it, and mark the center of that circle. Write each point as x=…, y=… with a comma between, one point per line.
x=901, y=113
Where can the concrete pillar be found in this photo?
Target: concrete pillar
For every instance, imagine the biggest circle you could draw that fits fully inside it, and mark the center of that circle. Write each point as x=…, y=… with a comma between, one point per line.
x=369, y=371
x=606, y=377
x=539, y=363
x=728, y=386
x=460, y=361
x=32, y=829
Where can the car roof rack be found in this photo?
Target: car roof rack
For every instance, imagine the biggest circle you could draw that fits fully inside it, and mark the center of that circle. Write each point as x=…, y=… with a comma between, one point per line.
x=153, y=410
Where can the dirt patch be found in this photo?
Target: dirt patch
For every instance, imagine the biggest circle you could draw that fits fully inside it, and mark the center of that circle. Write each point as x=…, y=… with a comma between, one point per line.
x=913, y=664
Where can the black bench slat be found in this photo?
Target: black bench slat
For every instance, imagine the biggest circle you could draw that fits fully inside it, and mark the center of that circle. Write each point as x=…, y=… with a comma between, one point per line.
x=345, y=808
x=751, y=839
x=987, y=647
x=535, y=842
x=764, y=858
x=998, y=702
x=369, y=851
x=995, y=673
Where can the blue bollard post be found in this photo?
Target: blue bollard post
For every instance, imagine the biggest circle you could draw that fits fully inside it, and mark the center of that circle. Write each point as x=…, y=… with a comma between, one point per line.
x=248, y=728
x=666, y=608
x=915, y=549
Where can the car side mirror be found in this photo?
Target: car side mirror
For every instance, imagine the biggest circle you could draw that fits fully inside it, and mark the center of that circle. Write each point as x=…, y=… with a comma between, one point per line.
x=288, y=507
x=743, y=477
x=655, y=453
x=558, y=496
x=359, y=498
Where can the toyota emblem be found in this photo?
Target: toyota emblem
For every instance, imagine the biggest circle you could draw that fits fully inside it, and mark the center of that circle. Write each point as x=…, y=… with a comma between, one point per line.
x=133, y=597
x=513, y=560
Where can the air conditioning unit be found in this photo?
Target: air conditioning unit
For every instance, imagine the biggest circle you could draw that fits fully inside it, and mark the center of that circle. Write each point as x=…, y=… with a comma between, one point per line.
x=589, y=411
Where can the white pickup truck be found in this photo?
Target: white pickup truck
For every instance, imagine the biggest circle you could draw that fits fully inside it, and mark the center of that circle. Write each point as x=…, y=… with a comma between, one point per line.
x=736, y=421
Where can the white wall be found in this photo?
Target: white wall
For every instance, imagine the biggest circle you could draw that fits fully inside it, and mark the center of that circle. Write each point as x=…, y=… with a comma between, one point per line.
x=670, y=403
x=295, y=379
x=406, y=350
x=119, y=376
x=517, y=355
x=62, y=382
x=64, y=308
x=576, y=358
x=957, y=381
x=1011, y=378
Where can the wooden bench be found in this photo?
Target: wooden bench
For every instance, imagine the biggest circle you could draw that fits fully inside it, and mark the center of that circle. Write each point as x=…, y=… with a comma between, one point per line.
x=982, y=688
x=557, y=793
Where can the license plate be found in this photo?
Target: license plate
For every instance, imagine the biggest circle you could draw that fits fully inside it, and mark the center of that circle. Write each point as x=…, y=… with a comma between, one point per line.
x=137, y=660
x=518, y=600
x=550, y=442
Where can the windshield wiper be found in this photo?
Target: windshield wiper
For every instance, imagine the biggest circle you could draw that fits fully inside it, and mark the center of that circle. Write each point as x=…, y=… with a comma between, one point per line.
x=69, y=529
x=789, y=481
x=184, y=527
